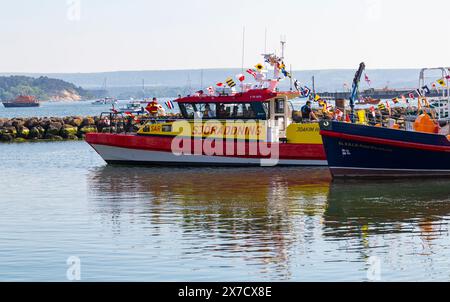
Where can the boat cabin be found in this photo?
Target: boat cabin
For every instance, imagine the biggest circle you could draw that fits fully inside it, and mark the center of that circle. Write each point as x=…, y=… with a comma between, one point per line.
x=260, y=104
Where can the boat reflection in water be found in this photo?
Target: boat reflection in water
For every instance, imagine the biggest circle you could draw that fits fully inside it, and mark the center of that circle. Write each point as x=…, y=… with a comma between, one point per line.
x=275, y=224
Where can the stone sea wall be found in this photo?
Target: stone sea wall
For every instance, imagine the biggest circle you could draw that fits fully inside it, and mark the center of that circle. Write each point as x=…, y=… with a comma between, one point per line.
x=52, y=129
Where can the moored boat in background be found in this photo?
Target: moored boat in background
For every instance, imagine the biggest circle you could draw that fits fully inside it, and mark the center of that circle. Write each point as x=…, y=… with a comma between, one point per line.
x=22, y=101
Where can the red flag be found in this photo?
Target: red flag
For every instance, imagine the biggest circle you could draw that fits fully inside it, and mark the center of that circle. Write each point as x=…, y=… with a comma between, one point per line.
x=219, y=84
x=368, y=80
x=240, y=77
x=372, y=109
x=412, y=96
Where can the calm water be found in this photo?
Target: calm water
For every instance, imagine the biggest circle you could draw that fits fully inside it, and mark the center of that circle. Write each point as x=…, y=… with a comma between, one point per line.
x=141, y=224
x=59, y=200
x=61, y=109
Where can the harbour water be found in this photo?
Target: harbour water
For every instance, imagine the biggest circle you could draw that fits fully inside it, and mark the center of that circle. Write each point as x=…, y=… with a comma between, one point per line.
x=59, y=200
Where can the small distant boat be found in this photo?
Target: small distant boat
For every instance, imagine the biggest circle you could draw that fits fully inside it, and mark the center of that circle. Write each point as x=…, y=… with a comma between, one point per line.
x=22, y=101
x=133, y=107
x=105, y=101
x=368, y=101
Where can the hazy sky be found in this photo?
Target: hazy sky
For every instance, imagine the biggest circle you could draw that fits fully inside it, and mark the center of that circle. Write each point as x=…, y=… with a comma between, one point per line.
x=110, y=35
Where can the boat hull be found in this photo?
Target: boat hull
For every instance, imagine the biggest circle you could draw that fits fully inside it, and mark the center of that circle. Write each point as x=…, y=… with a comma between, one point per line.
x=157, y=151
x=20, y=105
x=355, y=151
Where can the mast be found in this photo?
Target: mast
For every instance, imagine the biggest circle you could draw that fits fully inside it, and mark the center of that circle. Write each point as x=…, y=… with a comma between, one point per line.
x=355, y=87
x=243, y=50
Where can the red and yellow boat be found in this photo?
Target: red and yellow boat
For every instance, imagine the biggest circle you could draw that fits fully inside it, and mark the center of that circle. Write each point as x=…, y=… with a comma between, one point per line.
x=253, y=127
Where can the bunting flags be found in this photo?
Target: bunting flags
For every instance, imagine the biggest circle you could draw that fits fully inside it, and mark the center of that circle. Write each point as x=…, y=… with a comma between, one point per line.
x=240, y=77
x=339, y=113
x=220, y=84
x=435, y=87
x=170, y=105
x=252, y=72
x=426, y=90
x=230, y=82
x=381, y=106
x=259, y=67
x=395, y=100
x=297, y=86
x=367, y=79
x=372, y=110
x=404, y=99
x=211, y=90
x=442, y=82
x=306, y=92
x=412, y=96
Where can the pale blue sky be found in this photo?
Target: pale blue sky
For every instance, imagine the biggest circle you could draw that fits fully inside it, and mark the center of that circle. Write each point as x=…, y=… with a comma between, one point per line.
x=37, y=36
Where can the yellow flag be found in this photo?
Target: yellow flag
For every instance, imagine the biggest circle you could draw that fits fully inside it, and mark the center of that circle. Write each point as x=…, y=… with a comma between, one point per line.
x=259, y=67
x=317, y=98
x=442, y=83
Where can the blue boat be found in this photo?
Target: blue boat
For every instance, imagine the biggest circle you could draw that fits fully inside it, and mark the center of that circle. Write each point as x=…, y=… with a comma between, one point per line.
x=421, y=149
x=365, y=151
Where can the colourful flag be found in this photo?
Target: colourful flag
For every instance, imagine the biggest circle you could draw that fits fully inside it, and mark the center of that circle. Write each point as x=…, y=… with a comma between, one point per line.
x=219, y=84
x=412, y=96
x=367, y=79
x=372, y=109
x=230, y=82
x=381, y=106
x=442, y=83
x=306, y=92
x=419, y=92
x=317, y=98
x=388, y=106
x=404, y=99
x=259, y=67
x=252, y=72
x=240, y=77
x=395, y=100
x=297, y=86
x=170, y=105
x=211, y=90
x=426, y=90
x=435, y=87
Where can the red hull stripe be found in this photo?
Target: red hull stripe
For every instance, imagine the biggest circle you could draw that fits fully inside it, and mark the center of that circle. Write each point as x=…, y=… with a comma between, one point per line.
x=387, y=142
x=164, y=144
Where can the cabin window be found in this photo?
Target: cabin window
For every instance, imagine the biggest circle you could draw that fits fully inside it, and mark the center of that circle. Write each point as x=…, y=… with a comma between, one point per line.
x=279, y=106
x=205, y=111
x=187, y=110
x=254, y=110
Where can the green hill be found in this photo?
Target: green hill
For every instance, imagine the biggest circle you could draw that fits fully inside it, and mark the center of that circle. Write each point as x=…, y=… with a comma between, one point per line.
x=43, y=88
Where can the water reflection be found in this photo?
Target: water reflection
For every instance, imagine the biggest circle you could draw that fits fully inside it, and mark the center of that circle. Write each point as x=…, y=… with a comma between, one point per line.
x=260, y=215
x=275, y=219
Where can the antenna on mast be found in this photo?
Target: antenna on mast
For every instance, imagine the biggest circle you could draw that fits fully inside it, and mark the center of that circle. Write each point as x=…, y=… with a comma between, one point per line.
x=243, y=49
x=283, y=46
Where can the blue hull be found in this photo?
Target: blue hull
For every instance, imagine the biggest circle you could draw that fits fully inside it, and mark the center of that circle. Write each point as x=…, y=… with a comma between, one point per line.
x=362, y=151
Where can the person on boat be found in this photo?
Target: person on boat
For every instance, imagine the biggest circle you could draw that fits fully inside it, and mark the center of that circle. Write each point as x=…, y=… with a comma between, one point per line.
x=208, y=113
x=307, y=113
x=153, y=108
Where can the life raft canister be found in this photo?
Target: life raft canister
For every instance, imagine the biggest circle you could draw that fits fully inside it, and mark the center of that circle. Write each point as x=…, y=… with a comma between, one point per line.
x=424, y=123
